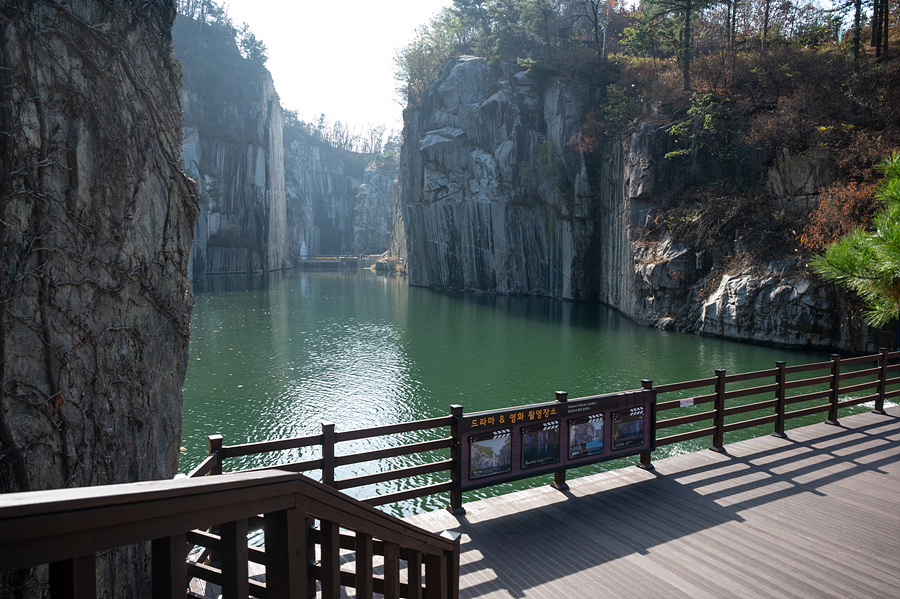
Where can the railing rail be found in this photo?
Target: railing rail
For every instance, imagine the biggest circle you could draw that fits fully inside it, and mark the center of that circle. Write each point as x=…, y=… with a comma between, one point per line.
x=67, y=528
x=329, y=461
x=768, y=396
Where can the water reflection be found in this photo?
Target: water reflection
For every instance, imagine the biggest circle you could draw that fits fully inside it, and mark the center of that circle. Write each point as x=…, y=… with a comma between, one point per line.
x=274, y=356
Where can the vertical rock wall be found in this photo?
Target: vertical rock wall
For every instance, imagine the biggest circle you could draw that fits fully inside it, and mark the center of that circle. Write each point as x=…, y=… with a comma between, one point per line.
x=96, y=222
x=322, y=184
x=233, y=147
x=372, y=213
x=491, y=198
x=266, y=190
x=656, y=280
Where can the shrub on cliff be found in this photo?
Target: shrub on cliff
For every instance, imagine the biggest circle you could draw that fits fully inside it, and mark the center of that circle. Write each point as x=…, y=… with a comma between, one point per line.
x=868, y=262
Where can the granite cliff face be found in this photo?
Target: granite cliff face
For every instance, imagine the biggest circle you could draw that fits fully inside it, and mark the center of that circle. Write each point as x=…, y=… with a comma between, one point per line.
x=701, y=288
x=233, y=125
x=372, y=213
x=493, y=198
x=95, y=230
x=322, y=185
x=490, y=196
x=267, y=190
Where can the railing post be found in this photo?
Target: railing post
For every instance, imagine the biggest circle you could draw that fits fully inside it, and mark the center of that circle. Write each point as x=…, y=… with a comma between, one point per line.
x=453, y=565
x=330, y=559
x=437, y=579
x=286, y=553
x=559, y=477
x=645, y=456
x=442, y=571
x=391, y=571
x=364, y=553
x=75, y=577
x=235, y=566
x=780, y=395
x=309, y=524
x=719, y=418
x=835, y=390
x=882, y=381
x=328, y=453
x=215, y=446
x=455, y=507
x=413, y=575
x=168, y=559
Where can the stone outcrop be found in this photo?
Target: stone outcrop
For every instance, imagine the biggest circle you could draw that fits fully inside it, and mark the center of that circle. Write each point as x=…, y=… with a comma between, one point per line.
x=657, y=281
x=233, y=147
x=493, y=198
x=781, y=302
x=95, y=231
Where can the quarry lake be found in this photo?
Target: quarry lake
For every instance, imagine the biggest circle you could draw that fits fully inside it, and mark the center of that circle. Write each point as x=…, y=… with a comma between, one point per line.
x=273, y=359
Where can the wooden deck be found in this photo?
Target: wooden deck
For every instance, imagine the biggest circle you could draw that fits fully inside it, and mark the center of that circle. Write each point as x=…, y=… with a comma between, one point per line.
x=814, y=515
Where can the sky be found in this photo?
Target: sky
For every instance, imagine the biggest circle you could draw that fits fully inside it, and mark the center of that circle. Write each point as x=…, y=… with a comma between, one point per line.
x=336, y=56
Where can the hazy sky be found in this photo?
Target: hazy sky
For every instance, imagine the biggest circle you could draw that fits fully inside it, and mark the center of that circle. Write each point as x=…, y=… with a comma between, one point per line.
x=336, y=56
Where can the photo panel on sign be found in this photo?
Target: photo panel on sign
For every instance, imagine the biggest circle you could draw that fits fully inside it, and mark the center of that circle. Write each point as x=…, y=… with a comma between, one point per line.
x=540, y=444
x=628, y=428
x=586, y=436
x=490, y=453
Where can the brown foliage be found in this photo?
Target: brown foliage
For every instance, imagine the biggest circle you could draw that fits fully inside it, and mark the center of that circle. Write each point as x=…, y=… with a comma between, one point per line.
x=848, y=203
x=858, y=159
x=711, y=218
x=588, y=138
x=843, y=207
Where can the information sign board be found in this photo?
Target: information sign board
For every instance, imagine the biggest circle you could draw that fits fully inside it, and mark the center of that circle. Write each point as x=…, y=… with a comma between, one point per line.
x=515, y=443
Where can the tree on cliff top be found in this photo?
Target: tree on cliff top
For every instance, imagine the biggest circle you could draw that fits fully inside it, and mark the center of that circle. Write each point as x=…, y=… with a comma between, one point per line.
x=208, y=12
x=686, y=9
x=252, y=48
x=868, y=262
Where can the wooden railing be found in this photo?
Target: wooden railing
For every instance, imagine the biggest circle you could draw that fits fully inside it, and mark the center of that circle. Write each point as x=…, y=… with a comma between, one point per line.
x=734, y=402
x=329, y=461
x=776, y=397
x=67, y=528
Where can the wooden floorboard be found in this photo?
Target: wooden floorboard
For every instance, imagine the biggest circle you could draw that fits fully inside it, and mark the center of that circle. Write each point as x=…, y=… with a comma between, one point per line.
x=813, y=515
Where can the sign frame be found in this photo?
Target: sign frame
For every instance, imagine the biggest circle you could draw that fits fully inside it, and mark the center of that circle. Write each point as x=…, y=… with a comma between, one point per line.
x=538, y=438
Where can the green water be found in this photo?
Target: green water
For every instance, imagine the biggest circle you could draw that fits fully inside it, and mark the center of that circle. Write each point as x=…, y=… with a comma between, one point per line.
x=358, y=349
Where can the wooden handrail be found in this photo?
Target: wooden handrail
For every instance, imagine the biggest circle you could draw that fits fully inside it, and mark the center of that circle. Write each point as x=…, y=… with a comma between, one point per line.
x=75, y=524
x=205, y=467
x=68, y=527
x=730, y=398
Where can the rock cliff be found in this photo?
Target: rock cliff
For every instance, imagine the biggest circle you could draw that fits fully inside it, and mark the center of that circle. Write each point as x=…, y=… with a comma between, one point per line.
x=266, y=189
x=322, y=185
x=372, y=213
x=492, y=197
x=233, y=147
x=703, y=288
x=95, y=231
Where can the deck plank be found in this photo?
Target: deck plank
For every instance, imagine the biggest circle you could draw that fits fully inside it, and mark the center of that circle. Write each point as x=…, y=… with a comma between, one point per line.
x=816, y=514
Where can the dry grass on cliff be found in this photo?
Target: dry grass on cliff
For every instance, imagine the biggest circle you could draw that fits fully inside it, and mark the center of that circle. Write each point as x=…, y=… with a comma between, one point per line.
x=746, y=223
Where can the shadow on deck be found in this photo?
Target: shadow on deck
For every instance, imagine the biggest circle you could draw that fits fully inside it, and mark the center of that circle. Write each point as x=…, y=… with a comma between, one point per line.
x=812, y=515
